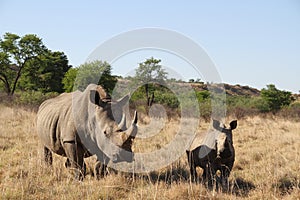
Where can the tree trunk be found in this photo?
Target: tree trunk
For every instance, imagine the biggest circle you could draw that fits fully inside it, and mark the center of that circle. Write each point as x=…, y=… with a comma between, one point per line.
x=15, y=82
x=19, y=75
x=149, y=99
x=147, y=96
x=6, y=84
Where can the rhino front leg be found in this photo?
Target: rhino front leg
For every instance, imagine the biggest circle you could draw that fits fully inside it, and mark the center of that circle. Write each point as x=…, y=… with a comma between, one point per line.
x=75, y=159
x=48, y=156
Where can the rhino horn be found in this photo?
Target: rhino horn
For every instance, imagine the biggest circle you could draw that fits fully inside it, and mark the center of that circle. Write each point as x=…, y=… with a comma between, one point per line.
x=130, y=134
x=132, y=130
x=122, y=124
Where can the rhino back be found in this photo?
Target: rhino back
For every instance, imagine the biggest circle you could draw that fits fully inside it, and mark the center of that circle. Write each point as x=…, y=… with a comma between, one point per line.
x=55, y=122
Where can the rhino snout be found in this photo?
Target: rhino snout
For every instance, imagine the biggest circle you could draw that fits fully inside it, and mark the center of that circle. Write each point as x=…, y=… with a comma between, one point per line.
x=122, y=156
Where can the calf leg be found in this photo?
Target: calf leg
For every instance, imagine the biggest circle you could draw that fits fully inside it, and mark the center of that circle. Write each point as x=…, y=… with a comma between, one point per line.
x=193, y=173
x=192, y=166
x=67, y=163
x=210, y=176
x=204, y=175
x=100, y=170
x=225, y=172
x=48, y=156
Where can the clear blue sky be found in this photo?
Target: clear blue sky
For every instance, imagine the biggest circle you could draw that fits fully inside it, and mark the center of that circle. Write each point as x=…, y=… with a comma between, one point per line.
x=252, y=42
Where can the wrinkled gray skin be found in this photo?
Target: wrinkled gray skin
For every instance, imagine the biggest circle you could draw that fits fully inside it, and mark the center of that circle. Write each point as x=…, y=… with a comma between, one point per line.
x=63, y=121
x=219, y=157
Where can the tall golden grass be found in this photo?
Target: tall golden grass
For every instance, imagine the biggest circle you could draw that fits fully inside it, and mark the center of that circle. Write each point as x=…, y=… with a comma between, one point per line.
x=267, y=165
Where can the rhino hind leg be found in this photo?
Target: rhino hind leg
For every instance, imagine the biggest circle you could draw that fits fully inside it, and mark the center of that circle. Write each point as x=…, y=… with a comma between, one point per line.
x=48, y=156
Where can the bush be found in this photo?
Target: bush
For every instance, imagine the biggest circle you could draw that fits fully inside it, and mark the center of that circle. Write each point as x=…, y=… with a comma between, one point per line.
x=291, y=112
x=275, y=99
x=32, y=98
x=205, y=110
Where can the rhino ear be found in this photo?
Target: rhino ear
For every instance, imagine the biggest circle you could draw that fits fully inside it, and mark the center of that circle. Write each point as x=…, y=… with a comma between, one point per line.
x=233, y=124
x=95, y=97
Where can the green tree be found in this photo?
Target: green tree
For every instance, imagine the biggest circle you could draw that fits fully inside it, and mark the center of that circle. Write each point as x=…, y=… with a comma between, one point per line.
x=96, y=72
x=150, y=71
x=275, y=99
x=45, y=73
x=69, y=79
x=15, y=53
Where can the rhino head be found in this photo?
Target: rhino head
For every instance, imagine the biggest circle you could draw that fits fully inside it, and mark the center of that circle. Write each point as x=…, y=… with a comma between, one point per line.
x=112, y=135
x=224, y=144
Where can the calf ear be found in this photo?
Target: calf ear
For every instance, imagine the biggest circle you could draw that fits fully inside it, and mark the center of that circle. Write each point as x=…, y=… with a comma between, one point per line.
x=188, y=153
x=233, y=124
x=216, y=124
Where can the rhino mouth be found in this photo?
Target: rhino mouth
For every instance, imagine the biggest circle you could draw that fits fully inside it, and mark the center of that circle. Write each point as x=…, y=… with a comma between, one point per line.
x=125, y=152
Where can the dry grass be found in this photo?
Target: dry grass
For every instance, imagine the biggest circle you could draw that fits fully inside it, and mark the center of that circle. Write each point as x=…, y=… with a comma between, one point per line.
x=267, y=165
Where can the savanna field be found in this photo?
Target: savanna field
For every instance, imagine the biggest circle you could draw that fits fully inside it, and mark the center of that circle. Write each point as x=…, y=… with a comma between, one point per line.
x=266, y=167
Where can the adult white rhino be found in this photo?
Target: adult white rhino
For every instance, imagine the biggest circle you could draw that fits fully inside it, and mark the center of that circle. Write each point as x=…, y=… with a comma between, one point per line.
x=80, y=124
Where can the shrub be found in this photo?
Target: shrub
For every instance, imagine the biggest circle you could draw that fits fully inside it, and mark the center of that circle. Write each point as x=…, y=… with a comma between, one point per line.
x=275, y=99
x=291, y=112
x=32, y=98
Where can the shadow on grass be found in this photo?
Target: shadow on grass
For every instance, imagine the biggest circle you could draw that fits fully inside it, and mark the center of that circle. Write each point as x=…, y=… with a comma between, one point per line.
x=287, y=184
x=241, y=187
x=238, y=186
x=171, y=175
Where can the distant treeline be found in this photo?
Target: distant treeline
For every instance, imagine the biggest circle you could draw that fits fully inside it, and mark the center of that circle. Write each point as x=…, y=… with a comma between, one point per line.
x=31, y=73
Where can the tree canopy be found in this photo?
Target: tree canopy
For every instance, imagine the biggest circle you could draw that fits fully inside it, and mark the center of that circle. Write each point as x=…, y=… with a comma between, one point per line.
x=45, y=73
x=27, y=64
x=96, y=72
x=150, y=71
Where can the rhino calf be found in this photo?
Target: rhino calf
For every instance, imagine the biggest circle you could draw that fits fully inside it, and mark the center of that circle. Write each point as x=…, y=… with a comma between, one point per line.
x=80, y=124
x=211, y=157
